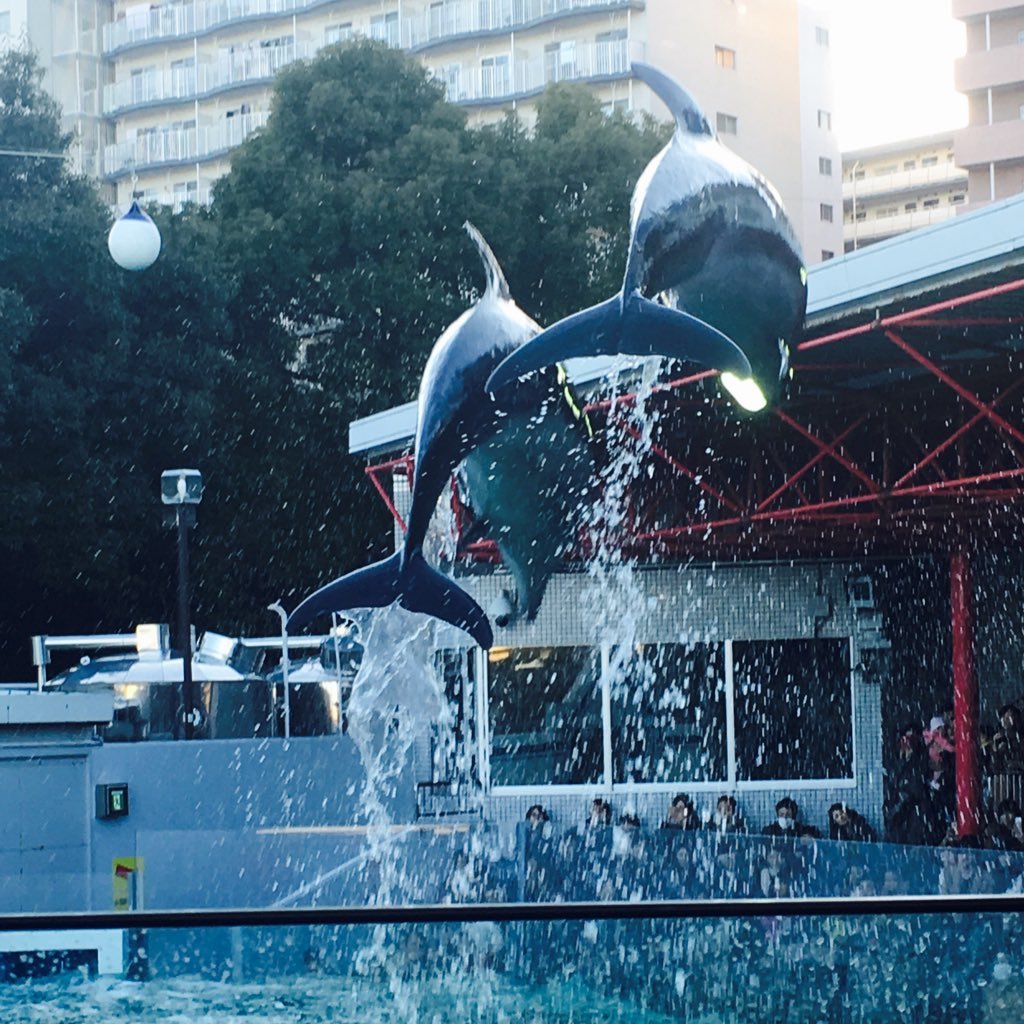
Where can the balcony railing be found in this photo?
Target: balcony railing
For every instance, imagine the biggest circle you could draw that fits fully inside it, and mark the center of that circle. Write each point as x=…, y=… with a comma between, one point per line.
x=462, y=17
x=174, y=146
x=190, y=17
x=944, y=175
x=523, y=77
x=898, y=223
x=252, y=64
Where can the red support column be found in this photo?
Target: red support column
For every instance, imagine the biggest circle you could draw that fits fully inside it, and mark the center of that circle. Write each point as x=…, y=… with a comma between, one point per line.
x=965, y=697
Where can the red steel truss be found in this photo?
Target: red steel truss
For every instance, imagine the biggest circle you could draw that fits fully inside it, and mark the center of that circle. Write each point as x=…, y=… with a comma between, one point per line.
x=899, y=435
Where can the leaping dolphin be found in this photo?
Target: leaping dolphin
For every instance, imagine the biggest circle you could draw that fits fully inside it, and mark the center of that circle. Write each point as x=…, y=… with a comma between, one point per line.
x=458, y=418
x=712, y=261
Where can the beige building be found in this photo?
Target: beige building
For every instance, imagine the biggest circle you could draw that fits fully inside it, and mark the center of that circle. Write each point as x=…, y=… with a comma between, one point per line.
x=899, y=187
x=184, y=81
x=991, y=75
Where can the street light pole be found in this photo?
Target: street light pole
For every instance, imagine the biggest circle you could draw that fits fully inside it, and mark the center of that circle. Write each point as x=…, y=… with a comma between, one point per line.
x=184, y=513
x=182, y=489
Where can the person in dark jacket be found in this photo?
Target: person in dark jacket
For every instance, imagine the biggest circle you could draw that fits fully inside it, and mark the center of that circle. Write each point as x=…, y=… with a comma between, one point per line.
x=846, y=823
x=681, y=814
x=913, y=815
x=787, y=822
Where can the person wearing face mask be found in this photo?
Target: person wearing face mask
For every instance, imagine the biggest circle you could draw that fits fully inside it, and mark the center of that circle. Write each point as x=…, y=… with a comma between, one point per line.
x=787, y=824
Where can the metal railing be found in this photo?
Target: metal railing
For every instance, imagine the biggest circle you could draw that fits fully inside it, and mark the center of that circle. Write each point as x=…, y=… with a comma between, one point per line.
x=252, y=64
x=465, y=17
x=175, y=145
x=522, y=77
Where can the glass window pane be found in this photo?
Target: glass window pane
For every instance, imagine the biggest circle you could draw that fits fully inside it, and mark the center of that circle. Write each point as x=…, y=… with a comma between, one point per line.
x=668, y=715
x=545, y=715
x=794, y=714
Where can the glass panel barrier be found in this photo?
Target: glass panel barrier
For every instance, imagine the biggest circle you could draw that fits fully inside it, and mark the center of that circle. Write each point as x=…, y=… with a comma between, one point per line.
x=855, y=968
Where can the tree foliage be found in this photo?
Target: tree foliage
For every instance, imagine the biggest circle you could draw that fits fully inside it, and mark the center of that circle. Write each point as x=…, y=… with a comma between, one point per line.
x=308, y=296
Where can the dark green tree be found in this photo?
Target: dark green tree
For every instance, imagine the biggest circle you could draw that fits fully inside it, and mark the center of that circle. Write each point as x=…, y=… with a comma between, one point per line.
x=308, y=296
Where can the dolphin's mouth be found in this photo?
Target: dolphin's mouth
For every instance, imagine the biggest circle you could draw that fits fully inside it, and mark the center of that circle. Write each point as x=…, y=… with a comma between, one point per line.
x=745, y=390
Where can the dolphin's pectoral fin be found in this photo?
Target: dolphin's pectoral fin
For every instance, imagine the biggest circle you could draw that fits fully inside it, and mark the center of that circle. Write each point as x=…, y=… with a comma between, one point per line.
x=371, y=587
x=650, y=329
x=592, y=332
x=426, y=590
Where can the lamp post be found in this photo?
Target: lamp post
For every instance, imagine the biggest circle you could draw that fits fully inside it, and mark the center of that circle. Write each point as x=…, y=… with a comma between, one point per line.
x=182, y=490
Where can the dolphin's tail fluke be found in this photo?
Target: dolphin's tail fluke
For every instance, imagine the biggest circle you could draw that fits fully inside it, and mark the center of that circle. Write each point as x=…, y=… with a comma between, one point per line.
x=374, y=586
x=416, y=586
x=637, y=327
x=426, y=590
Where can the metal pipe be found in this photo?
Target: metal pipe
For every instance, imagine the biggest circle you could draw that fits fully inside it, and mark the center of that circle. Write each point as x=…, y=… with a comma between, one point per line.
x=279, y=608
x=601, y=910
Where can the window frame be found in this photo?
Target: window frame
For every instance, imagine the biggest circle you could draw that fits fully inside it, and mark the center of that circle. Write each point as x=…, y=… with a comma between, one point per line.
x=608, y=785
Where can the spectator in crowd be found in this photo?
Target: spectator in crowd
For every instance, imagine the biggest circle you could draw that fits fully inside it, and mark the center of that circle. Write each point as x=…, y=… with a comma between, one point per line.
x=681, y=814
x=846, y=823
x=787, y=822
x=539, y=853
x=727, y=880
x=775, y=878
x=600, y=813
x=1004, y=832
x=726, y=817
x=914, y=816
x=1008, y=742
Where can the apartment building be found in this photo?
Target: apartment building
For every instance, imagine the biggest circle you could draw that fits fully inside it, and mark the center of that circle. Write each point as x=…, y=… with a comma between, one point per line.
x=185, y=81
x=991, y=75
x=898, y=187
x=65, y=34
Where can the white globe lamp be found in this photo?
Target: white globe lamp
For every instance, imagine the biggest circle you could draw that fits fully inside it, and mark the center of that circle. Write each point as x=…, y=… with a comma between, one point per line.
x=134, y=240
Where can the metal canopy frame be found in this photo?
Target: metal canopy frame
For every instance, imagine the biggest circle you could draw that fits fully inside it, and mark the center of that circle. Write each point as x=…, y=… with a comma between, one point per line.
x=900, y=435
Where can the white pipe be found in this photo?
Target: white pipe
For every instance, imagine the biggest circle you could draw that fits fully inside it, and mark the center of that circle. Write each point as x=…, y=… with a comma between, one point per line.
x=277, y=607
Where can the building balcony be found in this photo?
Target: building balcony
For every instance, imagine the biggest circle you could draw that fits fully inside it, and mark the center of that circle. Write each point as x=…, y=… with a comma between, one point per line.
x=175, y=146
x=192, y=17
x=874, y=229
x=522, y=78
x=983, y=144
x=167, y=85
x=965, y=10
x=921, y=179
x=989, y=69
x=458, y=18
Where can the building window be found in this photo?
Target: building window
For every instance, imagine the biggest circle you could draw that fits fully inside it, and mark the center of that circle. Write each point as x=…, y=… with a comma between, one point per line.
x=821, y=35
x=861, y=214
x=824, y=165
x=451, y=75
x=495, y=79
x=930, y=204
x=720, y=713
x=794, y=709
x=545, y=716
x=825, y=212
x=826, y=254
x=726, y=124
x=957, y=197
x=337, y=33
x=930, y=161
x=909, y=207
x=615, y=107
x=668, y=714
x=909, y=165
x=384, y=28
x=560, y=61
x=825, y=120
x=5, y=23
x=886, y=211
x=725, y=58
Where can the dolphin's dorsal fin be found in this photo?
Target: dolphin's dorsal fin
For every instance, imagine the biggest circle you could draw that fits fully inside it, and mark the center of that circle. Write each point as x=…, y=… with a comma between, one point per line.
x=496, y=283
x=689, y=117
